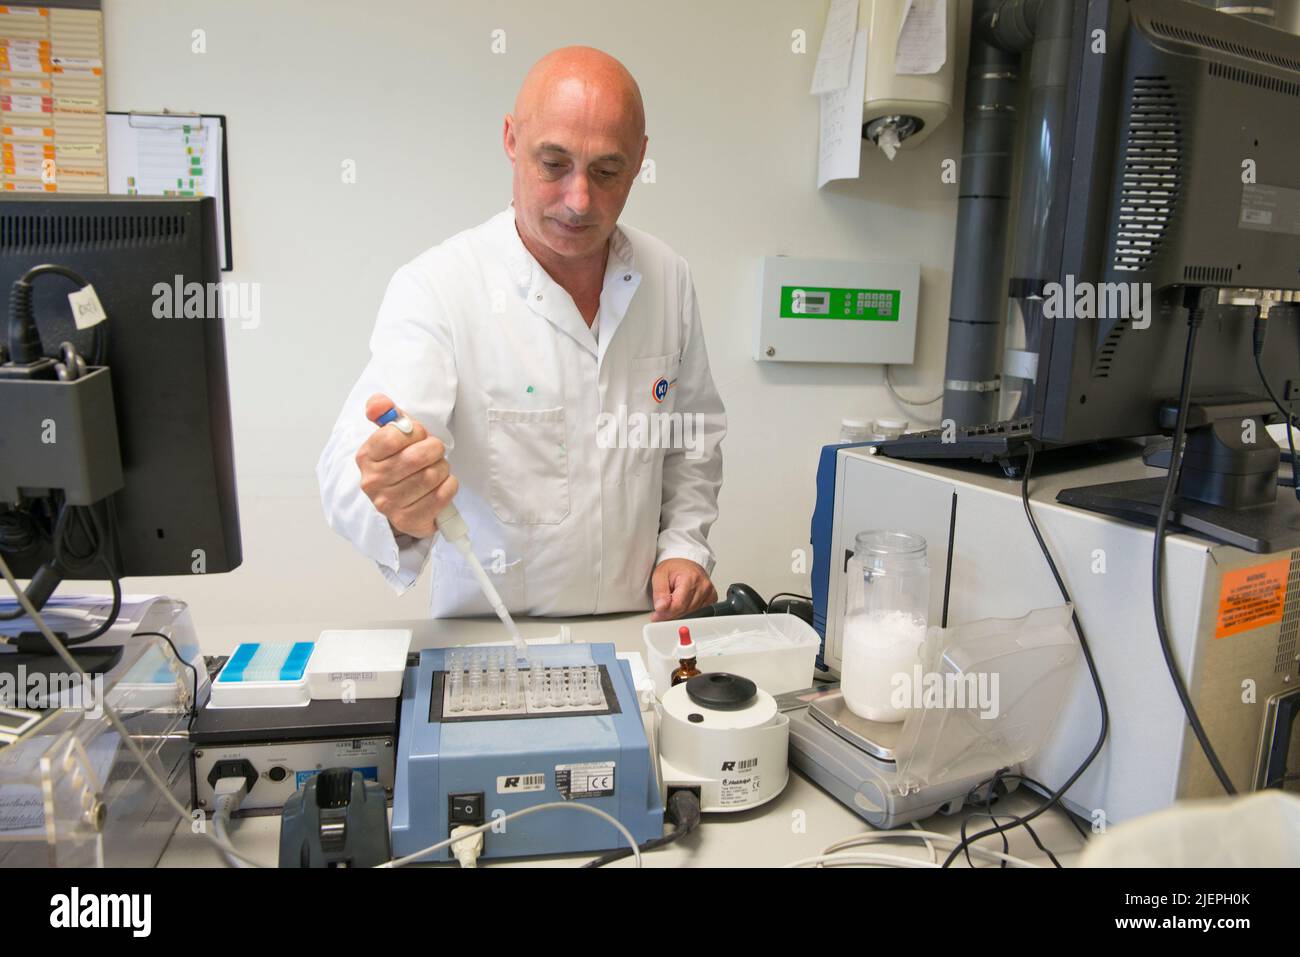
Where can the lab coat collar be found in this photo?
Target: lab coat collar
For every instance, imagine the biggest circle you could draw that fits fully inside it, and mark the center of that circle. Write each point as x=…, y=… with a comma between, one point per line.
x=541, y=292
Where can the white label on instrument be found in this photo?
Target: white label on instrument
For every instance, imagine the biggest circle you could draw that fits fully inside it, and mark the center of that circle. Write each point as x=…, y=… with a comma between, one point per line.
x=518, y=783
x=87, y=310
x=592, y=779
x=740, y=782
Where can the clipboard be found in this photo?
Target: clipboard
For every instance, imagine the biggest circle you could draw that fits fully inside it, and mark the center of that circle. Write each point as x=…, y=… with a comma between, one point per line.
x=146, y=150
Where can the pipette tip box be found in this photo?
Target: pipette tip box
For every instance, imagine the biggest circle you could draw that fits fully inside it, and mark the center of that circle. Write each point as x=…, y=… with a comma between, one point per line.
x=264, y=675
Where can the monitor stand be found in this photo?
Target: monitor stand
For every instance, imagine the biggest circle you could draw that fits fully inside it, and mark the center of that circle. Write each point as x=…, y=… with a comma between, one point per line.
x=1227, y=490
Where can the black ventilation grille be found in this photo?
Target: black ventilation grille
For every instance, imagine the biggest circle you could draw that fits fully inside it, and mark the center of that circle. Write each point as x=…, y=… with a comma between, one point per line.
x=19, y=232
x=1255, y=79
x=1224, y=46
x=1284, y=662
x=1151, y=176
x=1207, y=274
x=1106, y=354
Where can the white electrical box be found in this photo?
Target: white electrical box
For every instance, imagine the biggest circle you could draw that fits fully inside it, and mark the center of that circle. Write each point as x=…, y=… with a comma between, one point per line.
x=823, y=310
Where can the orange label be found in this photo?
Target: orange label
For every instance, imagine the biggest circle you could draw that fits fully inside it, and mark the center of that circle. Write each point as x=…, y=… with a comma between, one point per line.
x=1252, y=597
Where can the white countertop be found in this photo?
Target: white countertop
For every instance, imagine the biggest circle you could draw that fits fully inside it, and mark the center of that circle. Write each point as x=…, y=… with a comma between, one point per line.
x=800, y=823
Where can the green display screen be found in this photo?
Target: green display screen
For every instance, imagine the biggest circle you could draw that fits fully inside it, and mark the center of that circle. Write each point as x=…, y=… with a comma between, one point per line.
x=809, y=302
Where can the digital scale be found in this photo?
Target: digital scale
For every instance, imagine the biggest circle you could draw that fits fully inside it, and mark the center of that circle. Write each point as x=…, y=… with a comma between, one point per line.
x=942, y=753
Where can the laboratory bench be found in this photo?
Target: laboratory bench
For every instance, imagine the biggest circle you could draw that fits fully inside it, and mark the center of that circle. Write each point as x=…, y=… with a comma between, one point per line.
x=800, y=823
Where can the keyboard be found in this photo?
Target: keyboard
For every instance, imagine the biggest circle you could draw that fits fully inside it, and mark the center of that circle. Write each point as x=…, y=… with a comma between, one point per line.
x=1006, y=443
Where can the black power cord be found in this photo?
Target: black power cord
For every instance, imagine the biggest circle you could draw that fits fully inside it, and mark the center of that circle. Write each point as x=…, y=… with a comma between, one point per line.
x=990, y=795
x=1054, y=797
x=1261, y=331
x=683, y=811
x=84, y=540
x=24, y=337
x=194, y=672
x=1196, y=314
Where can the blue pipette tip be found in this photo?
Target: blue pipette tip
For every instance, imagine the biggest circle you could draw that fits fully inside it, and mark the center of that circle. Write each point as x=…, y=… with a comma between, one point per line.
x=389, y=416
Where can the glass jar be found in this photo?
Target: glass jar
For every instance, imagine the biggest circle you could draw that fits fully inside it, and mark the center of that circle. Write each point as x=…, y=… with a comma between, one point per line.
x=885, y=623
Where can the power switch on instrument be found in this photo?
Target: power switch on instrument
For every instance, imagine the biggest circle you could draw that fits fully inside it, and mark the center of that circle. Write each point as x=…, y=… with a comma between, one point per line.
x=466, y=808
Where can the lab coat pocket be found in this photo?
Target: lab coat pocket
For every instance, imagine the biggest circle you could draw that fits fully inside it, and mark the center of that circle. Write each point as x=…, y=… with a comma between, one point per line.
x=529, y=466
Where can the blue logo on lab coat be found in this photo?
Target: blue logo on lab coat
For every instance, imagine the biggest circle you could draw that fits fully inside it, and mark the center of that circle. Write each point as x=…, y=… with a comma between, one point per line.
x=660, y=389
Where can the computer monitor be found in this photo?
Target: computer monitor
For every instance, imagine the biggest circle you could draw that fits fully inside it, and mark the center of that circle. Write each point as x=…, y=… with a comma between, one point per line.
x=177, y=513
x=1183, y=180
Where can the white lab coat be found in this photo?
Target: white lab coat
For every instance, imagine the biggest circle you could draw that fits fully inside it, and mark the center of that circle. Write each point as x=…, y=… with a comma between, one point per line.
x=476, y=341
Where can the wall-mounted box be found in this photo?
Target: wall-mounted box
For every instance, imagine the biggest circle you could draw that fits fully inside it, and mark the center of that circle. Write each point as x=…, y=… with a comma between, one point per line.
x=822, y=310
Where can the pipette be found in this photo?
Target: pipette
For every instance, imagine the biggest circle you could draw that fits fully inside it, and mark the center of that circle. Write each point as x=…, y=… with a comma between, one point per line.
x=455, y=530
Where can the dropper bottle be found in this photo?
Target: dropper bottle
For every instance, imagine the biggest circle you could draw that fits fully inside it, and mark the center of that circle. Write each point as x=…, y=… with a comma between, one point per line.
x=685, y=657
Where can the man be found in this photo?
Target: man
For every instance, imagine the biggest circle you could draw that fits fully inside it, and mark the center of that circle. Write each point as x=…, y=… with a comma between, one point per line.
x=539, y=356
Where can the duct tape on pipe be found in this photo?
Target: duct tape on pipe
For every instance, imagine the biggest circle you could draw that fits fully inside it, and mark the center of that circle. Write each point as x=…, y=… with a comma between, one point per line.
x=966, y=385
x=1020, y=364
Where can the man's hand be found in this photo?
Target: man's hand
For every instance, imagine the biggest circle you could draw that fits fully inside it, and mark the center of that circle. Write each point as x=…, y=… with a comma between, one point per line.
x=680, y=587
x=405, y=476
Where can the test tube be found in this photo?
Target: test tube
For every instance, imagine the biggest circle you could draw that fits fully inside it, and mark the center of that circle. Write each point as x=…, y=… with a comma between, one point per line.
x=594, y=693
x=537, y=685
x=455, y=661
x=475, y=698
x=512, y=688
x=556, y=690
x=492, y=690
x=456, y=691
x=573, y=686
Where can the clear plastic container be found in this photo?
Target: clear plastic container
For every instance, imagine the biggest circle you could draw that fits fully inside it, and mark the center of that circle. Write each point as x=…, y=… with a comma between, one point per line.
x=854, y=431
x=885, y=623
x=776, y=652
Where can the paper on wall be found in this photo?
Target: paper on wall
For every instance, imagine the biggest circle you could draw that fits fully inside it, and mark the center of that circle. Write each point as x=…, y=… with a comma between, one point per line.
x=841, y=121
x=922, y=37
x=836, y=52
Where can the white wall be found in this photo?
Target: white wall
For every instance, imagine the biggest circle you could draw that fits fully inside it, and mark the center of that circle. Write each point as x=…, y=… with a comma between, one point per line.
x=412, y=92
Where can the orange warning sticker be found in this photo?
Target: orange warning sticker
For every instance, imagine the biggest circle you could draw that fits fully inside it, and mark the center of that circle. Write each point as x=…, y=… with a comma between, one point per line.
x=1252, y=597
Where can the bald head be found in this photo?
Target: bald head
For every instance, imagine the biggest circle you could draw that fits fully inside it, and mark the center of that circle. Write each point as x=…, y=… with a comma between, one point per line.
x=576, y=140
x=584, y=73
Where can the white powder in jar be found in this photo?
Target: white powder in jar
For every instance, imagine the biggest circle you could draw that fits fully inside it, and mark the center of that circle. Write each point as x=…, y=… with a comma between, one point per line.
x=877, y=646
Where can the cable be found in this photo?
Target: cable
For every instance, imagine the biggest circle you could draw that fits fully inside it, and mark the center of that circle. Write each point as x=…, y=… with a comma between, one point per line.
x=683, y=811
x=229, y=793
x=929, y=845
x=1261, y=332
x=194, y=672
x=989, y=797
x=23, y=335
x=1055, y=796
x=788, y=594
x=1194, y=317
x=889, y=384
x=837, y=860
x=1040, y=786
x=111, y=713
x=549, y=806
x=100, y=535
x=928, y=838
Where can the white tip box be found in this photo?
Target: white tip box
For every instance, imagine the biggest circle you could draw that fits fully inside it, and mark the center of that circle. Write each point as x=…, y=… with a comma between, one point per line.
x=358, y=664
